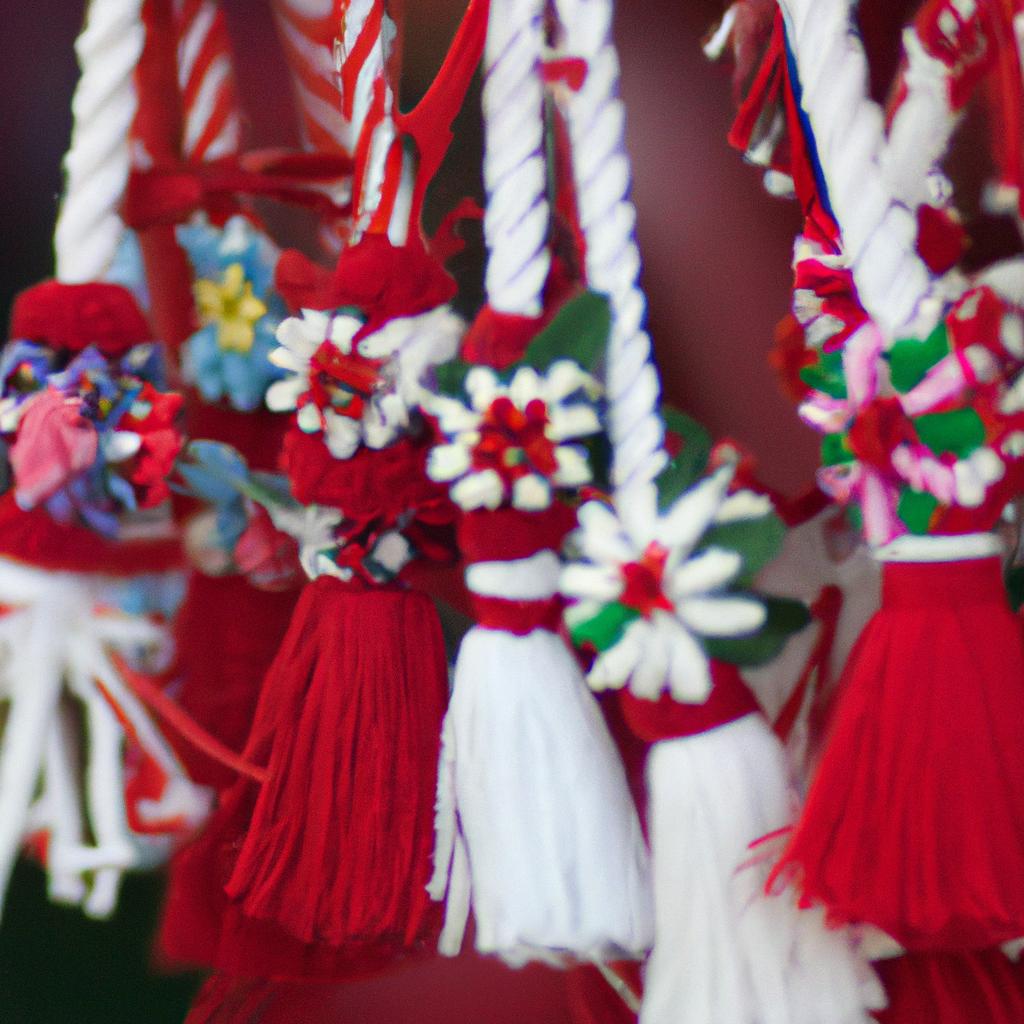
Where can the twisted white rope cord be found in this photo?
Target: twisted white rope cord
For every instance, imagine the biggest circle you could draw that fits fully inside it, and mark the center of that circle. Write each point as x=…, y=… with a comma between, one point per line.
x=517, y=216
x=212, y=123
x=595, y=117
x=878, y=233
x=97, y=164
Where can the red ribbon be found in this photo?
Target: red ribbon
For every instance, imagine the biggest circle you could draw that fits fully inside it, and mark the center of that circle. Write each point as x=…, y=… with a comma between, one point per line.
x=170, y=194
x=518, y=617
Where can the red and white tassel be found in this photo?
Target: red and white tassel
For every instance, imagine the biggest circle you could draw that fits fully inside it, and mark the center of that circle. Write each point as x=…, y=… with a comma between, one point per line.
x=537, y=832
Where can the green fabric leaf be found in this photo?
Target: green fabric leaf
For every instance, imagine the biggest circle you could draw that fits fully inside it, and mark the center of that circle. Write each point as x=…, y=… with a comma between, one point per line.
x=689, y=463
x=826, y=375
x=1015, y=586
x=959, y=431
x=910, y=358
x=758, y=541
x=785, y=617
x=451, y=377
x=605, y=629
x=834, y=451
x=915, y=509
x=579, y=331
x=599, y=458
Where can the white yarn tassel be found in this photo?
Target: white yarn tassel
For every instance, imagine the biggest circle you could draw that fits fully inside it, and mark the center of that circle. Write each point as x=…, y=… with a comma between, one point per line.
x=724, y=953
x=536, y=826
x=547, y=848
x=56, y=634
x=97, y=165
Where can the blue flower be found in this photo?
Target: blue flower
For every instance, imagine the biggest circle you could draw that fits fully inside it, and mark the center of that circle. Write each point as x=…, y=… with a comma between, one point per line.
x=227, y=358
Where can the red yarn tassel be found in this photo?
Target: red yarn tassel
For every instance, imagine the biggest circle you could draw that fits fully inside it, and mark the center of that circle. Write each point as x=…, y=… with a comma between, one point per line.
x=915, y=820
x=952, y=988
x=338, y=849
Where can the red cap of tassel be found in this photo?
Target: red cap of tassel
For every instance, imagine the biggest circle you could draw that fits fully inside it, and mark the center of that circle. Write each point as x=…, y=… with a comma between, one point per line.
x=71, y=317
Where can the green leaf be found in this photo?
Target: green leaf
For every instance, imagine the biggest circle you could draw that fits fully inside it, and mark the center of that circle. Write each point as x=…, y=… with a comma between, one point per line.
x=826, y=375
x=834, y=451
x=687, y=466
x=785, y=617
x=758, y=541
x=599, y=458
x=1015, y=586
x=451, y=377
x=916, y=509
x=579, y=331
x=910, y=358
x=605, y=629
x=959, y=431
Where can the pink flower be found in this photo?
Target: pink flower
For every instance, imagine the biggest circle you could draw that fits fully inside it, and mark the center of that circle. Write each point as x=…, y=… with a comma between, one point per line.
x=54, y=444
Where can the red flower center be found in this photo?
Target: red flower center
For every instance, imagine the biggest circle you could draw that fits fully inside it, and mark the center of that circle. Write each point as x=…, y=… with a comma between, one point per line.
x=342, y=382
x=644, y=582
x=513, y=442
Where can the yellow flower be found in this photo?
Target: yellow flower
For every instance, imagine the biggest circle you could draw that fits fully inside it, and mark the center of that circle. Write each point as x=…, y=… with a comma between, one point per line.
x=231, y=305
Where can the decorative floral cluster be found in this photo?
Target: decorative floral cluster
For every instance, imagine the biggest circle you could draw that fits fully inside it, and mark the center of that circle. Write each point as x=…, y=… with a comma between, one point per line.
x=660, y=579
x=91, y=440
x=227, y=358
x=259, y=529
x=923, y=425
x=355, y=387
x=505, y=435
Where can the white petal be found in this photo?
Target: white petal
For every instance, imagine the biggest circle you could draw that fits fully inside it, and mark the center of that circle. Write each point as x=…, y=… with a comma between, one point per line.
x=591, y=581
x=706, y=571
x=565, y=377
x=479, y=490
x=566, y=421
x=573, y=468
x=689, y=670
x=721, y=616
x=309, y=420
x=601, y=537
x=613, y=667
x=531, y=493
x=651, y=672
x=342, y=330
x=305, y=334
x=448, y=461
x=342, y=435
x=121, y=445
x=452, y=415
x=688, y=519
x=482, y=386
x=744, y=505
x=283, y=395
x=287, y=359
x=525, y=386
x=637, y=506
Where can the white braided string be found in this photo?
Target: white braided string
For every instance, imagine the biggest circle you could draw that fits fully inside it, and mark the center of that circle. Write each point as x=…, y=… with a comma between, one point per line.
x=206, y=82
x=97, y=164
x=595, y=118
x=878, y=233
x=516, y=221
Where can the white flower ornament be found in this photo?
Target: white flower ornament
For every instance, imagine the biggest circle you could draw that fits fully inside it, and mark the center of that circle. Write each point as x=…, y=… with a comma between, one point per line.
x=508, y=442
x=644, y=594
x=357, y=391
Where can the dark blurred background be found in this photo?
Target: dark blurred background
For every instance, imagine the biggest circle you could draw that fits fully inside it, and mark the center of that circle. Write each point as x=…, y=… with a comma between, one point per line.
x=716, y=251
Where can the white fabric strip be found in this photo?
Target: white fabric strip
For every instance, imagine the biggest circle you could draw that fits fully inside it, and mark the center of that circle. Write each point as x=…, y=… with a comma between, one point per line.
x=962, y=547
x=524, y=579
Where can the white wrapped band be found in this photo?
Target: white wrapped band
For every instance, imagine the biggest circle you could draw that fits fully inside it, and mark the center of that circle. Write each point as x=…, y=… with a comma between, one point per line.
x=523, y=579
x=962, y=547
